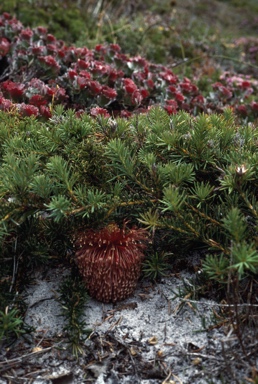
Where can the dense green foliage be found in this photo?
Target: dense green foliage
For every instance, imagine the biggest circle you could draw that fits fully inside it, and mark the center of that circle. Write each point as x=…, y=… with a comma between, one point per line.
x=193, y=178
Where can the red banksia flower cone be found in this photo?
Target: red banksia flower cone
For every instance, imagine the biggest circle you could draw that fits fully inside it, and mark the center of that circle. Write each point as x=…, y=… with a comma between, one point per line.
x=110, y=261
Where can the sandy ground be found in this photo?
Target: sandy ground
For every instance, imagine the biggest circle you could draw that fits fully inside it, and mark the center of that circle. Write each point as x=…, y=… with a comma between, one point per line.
x=149, y=338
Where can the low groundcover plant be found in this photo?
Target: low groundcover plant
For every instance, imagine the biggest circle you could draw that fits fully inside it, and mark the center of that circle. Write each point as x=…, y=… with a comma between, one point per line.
x=38, y=71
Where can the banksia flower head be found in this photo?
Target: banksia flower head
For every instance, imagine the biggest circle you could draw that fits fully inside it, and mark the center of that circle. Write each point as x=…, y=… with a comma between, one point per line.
x=110, y=260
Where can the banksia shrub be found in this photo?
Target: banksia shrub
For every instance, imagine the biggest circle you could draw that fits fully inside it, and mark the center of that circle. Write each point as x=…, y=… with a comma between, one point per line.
x=110, y=261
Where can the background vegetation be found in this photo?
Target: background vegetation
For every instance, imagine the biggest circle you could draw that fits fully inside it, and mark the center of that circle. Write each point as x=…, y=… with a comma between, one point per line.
x=163, y=31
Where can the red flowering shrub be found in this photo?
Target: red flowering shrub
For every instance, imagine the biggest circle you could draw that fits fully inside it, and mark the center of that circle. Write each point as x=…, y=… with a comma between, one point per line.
x=99, y=111
x=41, y=71
x=27, y=110
x=49, y=63
x=5, y=104
x=129, y=86
x=37, y=100
x=4, y=46
x=12, y=90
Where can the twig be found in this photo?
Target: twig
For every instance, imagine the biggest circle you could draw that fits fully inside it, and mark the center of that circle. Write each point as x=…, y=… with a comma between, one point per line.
x=40, y=341
x=5, y=365
x=115, y=323
x=180, y=381
x=15, y=267
x=166, y=381
x=252, y=352
x=210, y=357
x=22, y=379
x=220, y=305
x=167, y=378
